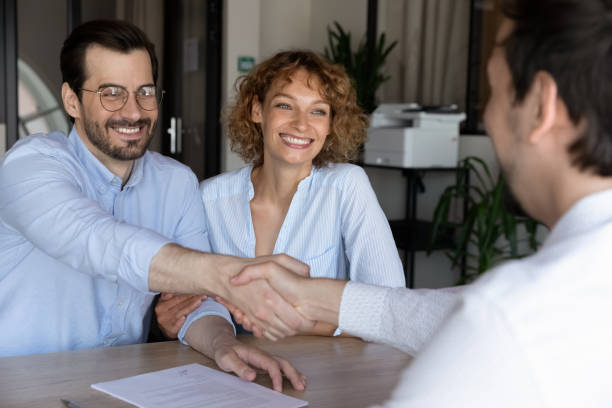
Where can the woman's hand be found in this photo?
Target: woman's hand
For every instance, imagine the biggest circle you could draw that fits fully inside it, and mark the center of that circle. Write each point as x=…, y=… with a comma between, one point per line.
x=247, y=361
x=172, y=310
x=214, y=337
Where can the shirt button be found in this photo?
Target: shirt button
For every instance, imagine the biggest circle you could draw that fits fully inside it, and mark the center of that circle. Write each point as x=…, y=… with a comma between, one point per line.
x=120, y=303
x=106, y=342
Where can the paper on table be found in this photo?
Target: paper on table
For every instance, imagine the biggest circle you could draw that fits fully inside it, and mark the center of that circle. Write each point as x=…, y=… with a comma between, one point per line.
x=194, y=386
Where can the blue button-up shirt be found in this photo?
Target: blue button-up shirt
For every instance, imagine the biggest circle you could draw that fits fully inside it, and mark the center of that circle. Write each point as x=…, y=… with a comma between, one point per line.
x=75, y=246
x=334, y=224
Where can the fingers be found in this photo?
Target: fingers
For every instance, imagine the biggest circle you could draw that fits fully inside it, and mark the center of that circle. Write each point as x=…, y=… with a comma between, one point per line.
x=297, y=379
x=247, y=275
x=260, y=359
x=179, y=304
x=241, y=318
x=274, y=366
x=172, y=310
x=268, y=298
x=292, y=264
x=231, y=362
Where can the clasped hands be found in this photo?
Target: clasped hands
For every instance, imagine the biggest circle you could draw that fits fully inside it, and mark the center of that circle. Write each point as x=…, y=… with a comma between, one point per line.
x=265, y=297
x=262, y=294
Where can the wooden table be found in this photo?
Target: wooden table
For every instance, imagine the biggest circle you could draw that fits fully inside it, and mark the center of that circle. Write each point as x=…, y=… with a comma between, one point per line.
x=342, y=372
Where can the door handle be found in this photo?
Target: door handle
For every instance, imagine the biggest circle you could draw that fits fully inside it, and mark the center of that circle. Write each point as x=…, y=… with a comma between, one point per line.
x=176, y=135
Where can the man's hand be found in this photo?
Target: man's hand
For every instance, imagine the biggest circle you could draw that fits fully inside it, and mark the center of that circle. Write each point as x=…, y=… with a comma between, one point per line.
x=182, y=270
x=214, y=337
x=271, y=315
x=318, y=300
x=172, y=310
x=286, y=283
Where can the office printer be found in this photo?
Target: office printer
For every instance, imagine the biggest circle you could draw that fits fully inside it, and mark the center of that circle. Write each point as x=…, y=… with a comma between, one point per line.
x=411, y=135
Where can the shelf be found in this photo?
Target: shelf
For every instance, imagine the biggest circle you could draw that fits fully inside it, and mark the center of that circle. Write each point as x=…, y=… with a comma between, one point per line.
x=415, y=235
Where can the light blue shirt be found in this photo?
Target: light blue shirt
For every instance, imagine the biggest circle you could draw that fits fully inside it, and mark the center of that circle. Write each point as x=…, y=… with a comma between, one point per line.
x=76, y=247
x=334, y=224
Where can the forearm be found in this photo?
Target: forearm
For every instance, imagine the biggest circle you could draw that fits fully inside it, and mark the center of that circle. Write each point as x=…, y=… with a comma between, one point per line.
x=177, y=269
x=319, y=299
x=206, y=334
x=403, y=318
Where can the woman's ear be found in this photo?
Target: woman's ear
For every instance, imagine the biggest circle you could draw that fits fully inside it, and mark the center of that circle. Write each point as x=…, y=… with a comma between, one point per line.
x=71, y=101
x=256, y=111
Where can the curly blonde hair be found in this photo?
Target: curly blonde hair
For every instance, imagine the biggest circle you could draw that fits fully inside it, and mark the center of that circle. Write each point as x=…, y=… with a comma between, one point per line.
x=348, y=121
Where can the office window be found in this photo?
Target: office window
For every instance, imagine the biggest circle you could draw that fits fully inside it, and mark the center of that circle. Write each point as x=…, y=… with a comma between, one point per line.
x=39, y=109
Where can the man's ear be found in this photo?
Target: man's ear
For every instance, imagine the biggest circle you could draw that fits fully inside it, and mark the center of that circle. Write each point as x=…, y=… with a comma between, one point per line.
x=545, y=94
x=72, y=104
x=256, y=111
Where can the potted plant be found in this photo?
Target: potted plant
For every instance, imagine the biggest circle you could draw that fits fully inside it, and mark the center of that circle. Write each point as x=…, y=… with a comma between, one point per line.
x=363, y=67
x=490, y=231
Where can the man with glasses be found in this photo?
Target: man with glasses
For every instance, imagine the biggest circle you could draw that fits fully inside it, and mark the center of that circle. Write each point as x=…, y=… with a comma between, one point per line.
x=93, y=225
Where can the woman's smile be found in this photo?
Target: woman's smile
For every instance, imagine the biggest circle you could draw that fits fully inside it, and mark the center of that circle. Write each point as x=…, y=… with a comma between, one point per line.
x=296, y=142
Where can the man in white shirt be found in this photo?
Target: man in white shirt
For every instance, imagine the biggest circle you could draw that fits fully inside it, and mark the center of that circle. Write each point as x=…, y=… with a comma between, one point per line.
x=533, y=332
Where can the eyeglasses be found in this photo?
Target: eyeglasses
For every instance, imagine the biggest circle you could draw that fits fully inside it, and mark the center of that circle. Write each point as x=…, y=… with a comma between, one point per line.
x=115, y=97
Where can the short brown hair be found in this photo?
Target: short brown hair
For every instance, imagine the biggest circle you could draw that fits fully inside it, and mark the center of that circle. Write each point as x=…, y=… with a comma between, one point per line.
x=114, y=35
x=571, y=40
x=348, y=122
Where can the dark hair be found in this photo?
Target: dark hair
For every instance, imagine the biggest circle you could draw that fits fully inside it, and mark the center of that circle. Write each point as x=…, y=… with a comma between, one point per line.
x=348, y=122
x=571, y=40
x=116, y=35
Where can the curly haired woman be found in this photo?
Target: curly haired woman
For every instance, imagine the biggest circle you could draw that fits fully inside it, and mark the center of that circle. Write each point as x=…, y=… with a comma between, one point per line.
x=297, y=123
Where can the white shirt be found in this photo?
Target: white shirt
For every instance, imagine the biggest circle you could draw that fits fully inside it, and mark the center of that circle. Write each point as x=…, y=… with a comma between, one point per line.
x=531, y=333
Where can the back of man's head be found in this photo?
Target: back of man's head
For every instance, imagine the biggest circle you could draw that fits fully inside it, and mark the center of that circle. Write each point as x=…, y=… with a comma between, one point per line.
x=115, y=35
x=571, y=40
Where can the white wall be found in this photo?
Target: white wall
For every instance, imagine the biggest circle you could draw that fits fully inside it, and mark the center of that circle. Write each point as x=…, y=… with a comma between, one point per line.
x=284, y=25
x=351, y=14
x=241, y=38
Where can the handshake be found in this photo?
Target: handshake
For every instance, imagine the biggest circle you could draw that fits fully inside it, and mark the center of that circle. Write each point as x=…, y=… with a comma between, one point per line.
x=273, y=297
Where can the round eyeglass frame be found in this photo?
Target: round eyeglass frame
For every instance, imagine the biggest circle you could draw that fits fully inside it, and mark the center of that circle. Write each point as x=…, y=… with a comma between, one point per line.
x=99, y=92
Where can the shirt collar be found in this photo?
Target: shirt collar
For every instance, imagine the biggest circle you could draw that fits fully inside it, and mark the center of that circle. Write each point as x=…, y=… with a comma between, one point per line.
x=304, y=184
x=98, y=172
x=585, y=215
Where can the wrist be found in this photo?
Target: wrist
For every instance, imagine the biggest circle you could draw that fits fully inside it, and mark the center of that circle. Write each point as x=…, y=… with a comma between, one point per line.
x=177, y=269
x=221, y=268
x=224, y=338
x=321, y=300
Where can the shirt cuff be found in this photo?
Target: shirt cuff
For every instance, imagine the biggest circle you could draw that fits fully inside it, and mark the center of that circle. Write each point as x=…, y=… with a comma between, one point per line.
x=208, y=308
x=359, y=301
x=136, y=258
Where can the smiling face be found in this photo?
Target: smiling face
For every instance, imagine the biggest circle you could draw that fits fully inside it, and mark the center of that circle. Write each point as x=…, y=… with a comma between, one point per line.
x=294, y=119
x=125, y=134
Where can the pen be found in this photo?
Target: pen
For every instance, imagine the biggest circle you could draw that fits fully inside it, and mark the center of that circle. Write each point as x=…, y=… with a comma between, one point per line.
x=70, y=404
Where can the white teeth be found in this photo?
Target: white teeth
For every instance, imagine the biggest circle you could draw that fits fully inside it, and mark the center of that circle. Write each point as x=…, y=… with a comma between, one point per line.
x=128, y=130
x=296, y=140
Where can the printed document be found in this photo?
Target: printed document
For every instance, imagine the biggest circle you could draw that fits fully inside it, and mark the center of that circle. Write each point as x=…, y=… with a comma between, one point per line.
x=194, y=386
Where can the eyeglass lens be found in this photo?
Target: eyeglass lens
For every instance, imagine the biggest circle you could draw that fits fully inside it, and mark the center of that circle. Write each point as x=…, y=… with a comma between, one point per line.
x=114, y=98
